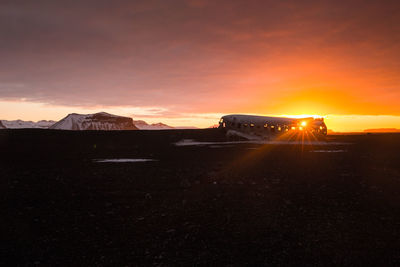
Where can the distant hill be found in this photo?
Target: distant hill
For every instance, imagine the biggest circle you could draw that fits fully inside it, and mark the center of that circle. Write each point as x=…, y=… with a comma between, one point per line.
x=20, y=124
x=142, y=125
x=382, y=130
x=186, y=127
x=97, y=121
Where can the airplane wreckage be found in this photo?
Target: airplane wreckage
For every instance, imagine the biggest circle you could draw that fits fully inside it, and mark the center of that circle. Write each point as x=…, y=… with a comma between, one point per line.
x=251, y=127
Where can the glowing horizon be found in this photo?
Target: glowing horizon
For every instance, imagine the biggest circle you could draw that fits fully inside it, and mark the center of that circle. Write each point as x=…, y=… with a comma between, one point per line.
x=12, y=110
x=189, y=61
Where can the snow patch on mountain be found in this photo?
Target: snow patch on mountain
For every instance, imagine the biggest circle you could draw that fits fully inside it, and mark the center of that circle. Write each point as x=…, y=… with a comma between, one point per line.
x=97, y=121
x=20, y=124
x=2, y=126
x=142, y=125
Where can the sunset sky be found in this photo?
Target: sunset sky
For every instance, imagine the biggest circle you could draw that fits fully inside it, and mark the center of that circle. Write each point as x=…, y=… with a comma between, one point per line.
x=189, y=62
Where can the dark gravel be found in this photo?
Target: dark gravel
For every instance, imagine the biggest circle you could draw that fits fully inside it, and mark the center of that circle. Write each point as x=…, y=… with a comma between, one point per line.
x=219, y=205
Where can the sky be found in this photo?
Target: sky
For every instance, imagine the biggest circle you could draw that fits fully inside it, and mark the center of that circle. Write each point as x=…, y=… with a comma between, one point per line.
x=188, y=62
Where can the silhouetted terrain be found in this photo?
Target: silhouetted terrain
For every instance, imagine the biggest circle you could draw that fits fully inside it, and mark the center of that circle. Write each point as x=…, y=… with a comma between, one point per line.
x=383, y=130
x=331, y=203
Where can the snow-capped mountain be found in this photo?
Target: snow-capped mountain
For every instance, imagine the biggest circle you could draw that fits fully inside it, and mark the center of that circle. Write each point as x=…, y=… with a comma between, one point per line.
x=97, y=121
x=20, y=124
x=142, y=125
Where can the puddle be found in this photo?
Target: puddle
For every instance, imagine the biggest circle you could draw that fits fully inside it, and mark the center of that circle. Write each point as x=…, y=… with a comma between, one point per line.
x=329, y=151
x=191, y=142
x=122, y=160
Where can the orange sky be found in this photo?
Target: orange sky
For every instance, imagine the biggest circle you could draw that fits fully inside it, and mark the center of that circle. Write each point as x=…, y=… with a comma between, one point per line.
x=189, y=62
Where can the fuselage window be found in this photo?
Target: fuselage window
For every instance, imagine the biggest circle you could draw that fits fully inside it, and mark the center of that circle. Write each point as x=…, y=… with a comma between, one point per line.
x=245, y=125
x=272, y=128
x=251, y=125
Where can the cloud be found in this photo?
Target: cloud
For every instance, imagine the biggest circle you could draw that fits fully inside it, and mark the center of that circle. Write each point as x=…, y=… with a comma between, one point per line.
x=199, y=56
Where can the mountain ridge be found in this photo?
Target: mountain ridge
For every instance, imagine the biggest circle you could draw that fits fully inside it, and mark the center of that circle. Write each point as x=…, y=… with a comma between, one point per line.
x=21, y=124
x=96, y=121
x=142, y=125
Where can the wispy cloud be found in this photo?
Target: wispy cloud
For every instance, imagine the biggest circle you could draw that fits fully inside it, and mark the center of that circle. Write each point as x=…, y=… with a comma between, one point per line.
x=201, y=56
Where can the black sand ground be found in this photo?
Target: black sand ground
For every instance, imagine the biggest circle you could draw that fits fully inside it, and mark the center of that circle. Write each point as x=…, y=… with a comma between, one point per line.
x=213, y=205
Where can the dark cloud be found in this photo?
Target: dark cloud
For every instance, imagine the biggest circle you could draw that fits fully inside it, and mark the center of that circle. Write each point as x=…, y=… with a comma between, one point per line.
x=187, y=54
